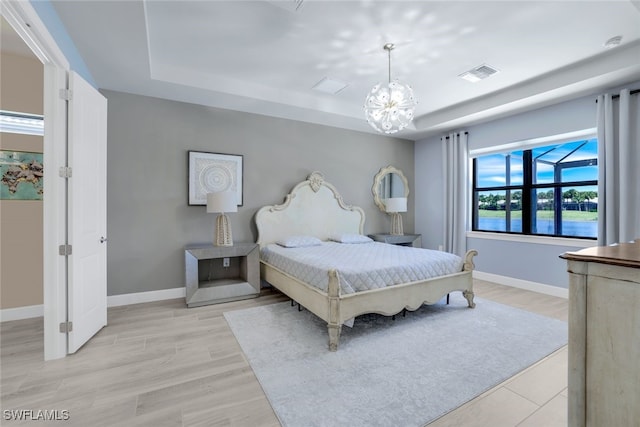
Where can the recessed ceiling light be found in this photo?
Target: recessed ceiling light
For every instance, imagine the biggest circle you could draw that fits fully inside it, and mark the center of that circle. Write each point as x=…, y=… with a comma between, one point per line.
x=290, y=5
x=480, y=72
x=330, y=86
x=613, y=42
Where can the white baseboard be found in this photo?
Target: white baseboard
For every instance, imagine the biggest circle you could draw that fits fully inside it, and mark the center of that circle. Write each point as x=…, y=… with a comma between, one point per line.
x=19, y=313
x=522, y=284
x=32, y=311
x=140, y=297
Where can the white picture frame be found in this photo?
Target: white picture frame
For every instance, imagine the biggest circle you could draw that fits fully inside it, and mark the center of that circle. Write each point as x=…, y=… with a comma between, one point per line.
x=214, y=172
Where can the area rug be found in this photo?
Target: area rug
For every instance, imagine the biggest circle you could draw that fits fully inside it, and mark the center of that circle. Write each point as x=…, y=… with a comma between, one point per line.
x=403, y=372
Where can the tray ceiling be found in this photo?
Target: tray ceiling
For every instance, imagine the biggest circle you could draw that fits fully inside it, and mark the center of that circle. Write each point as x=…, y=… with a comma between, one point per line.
x=266, y=57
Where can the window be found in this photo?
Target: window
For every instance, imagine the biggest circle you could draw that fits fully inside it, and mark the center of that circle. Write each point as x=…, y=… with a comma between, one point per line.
x=22, y=123
x=547, y=190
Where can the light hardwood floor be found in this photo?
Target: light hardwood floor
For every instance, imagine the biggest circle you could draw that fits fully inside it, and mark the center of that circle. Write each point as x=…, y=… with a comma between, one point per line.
x=161, y=364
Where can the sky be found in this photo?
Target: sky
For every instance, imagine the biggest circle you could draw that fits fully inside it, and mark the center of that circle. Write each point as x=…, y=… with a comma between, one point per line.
x=492, y=167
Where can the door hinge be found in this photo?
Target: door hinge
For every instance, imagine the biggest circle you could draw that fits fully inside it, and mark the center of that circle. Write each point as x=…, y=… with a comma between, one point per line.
x=64, y=250
x=66, y=327
x=66, y=94
x=65, y=172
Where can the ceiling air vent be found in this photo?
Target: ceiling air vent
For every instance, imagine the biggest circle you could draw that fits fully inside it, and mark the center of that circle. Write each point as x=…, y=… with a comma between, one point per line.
x=479, y=73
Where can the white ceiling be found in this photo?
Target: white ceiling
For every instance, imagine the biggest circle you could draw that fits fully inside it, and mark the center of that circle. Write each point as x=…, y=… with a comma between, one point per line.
x=264, y=57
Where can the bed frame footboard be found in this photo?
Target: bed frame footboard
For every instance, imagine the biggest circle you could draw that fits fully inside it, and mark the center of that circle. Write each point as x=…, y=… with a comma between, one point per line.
x=392, y=300
x=469, y=266
x=336, y=309
x=334, y=325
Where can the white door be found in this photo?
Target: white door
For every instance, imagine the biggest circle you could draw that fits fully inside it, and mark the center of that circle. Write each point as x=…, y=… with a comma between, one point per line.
x=87, y=208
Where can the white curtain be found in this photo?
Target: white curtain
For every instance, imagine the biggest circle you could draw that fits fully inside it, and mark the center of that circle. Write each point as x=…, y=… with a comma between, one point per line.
x=619, y=168
x=455, y=168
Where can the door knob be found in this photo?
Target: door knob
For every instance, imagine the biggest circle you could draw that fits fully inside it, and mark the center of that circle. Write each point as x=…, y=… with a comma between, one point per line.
x=103, y=239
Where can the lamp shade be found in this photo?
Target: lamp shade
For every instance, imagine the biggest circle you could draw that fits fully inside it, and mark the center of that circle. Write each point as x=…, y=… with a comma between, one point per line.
x=223, y=201
x=396, y=204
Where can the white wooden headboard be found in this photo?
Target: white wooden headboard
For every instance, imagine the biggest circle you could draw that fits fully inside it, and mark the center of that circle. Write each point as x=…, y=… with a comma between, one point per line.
x=312, y=208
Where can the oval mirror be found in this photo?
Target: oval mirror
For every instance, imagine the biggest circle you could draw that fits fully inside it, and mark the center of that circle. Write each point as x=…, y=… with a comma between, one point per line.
x=389, y=182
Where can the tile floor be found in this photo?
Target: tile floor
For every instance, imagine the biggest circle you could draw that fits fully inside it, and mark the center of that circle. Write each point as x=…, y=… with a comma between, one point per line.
x=143, y=369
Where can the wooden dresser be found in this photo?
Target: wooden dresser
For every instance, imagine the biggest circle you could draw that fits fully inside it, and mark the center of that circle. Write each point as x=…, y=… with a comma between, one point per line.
x=604, y=335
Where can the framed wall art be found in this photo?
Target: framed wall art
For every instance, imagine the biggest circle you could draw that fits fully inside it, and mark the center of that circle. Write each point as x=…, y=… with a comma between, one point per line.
x=21, y=175
x=213, y=172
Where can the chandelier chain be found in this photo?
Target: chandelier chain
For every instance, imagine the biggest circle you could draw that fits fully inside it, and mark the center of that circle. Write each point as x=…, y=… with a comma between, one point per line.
x=389, y=47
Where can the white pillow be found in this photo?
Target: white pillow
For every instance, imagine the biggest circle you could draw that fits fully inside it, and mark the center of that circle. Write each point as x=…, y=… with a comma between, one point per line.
x=299, y=241
x=350, y=238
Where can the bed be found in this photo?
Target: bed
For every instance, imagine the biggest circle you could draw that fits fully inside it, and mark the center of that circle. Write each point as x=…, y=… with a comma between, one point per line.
x=315, y=211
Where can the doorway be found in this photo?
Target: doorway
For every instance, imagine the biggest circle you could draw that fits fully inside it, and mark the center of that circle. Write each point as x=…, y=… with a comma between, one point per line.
x=63, y=298
x=21, y=206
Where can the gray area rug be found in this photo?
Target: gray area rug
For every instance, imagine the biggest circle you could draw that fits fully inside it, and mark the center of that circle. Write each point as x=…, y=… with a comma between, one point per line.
x=403, y=372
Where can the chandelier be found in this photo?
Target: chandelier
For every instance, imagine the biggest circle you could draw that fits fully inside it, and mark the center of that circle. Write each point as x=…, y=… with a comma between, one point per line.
x=389, y=108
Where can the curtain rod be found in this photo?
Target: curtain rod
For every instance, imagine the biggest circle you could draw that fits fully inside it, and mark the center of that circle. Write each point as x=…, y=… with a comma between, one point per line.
x=466, y=133
x=633, y=92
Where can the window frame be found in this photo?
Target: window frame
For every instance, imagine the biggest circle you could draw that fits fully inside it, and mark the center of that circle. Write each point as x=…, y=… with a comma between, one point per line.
x=528, y=186
x=21, y=123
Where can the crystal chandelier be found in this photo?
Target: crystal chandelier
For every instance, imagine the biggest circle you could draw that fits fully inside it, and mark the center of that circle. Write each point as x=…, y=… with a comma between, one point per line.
x=389, y=108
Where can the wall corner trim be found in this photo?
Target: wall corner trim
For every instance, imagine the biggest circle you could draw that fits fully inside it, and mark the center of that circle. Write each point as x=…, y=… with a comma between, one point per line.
x=541, y=288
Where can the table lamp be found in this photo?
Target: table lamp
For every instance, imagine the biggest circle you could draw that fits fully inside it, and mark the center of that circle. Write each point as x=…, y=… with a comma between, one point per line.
x=393, y=206
x=221, y=202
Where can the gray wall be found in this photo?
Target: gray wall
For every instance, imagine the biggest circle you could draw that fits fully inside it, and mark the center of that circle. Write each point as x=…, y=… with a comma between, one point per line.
x=148, y=219
x=526, y=261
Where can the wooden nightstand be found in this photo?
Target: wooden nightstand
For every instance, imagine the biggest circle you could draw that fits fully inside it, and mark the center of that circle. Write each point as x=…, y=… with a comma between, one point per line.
x=216, y=274
x=414, y=240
